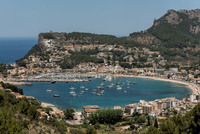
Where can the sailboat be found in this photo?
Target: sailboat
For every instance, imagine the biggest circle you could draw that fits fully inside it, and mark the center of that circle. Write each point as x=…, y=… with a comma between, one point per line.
x=108, y=78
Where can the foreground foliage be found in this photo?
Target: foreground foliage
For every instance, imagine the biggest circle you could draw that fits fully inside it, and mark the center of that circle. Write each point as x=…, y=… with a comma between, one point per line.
x=19, y=116
x=106, y=116
x=189, y=123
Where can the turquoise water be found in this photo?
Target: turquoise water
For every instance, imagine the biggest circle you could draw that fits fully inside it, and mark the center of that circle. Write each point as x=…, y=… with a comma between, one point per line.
x=145, y=90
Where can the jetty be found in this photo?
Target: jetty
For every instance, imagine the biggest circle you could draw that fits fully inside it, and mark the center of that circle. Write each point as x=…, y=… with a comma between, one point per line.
x=18, y=83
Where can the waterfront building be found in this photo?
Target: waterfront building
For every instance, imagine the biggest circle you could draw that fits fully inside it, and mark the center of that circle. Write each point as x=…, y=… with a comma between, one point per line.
x=117, y=107
x=147, y=109
x=130, y=109
x=87, y=110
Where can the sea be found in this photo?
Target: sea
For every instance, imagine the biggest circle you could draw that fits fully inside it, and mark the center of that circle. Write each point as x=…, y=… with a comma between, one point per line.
x=14, y=48
x=131, y=89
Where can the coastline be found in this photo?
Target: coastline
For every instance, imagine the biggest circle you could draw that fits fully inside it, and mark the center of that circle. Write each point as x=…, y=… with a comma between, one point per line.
x=45, y=104
x=193, y=87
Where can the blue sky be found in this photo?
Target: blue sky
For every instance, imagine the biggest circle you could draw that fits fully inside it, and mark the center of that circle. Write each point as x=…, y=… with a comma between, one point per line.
x=27, y=18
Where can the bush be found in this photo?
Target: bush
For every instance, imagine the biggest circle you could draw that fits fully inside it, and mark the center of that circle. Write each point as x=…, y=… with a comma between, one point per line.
x=108, y=116
x=91, y=130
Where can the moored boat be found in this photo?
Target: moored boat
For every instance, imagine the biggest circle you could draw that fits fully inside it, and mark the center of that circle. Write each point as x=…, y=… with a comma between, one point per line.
x=56, y=95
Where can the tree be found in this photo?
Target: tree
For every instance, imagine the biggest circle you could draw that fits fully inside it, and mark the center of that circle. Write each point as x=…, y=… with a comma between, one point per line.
x=108, y=116
x=132, y=127
x=148, y=121
x=141, y=119
x=152, y=130
x=69, y=113
x=156, y=123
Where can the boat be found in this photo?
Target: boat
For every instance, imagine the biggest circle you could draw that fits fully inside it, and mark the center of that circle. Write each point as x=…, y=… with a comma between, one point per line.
x=125, y=91
x=102, y=84
x=72, y=92
x=101, y=87
x=110, y=86
x=108, y=78
x=48, y=90
x=98, y=94
x=118, y=83
x=119, y=88
x=82, y=87
x=72, y=88
x=52, y=82
x=56, y=95
x=98, y=86
x=86, y=89
x=102, y=91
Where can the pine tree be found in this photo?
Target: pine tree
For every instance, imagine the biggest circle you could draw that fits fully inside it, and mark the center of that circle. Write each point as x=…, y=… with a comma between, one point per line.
x=156, y=123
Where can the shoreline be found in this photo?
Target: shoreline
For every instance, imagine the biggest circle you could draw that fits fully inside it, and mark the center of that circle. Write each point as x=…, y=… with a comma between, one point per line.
x=193, y=87
x=50, y=105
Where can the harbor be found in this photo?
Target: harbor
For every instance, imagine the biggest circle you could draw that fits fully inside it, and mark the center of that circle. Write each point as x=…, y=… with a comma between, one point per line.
x=121, y=90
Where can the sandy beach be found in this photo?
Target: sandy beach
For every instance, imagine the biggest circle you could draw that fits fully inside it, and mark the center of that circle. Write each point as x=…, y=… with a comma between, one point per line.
x=44, y=104
x=194, y=88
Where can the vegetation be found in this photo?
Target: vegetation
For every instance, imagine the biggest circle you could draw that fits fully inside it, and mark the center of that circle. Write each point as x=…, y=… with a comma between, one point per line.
x=69, y=113
x=48, y=36
x=35, y=50
x=12, y=87
x=91, y=130
x=189, y=123
x=77, y=58
x=17, y=115
x=105, y=116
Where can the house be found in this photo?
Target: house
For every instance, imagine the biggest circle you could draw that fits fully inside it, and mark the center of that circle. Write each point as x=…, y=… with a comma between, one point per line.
x=131, y=108
x=59, y=113
x=87, y=110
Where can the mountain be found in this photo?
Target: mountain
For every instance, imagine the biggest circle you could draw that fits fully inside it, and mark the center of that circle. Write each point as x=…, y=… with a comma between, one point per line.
x=176, y=35
x=172, y=41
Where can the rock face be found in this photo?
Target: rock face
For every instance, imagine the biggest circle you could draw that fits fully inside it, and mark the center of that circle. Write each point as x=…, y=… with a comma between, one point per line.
x=192, y=13
x=41, y=42
x=189, y=19
x=173, y=17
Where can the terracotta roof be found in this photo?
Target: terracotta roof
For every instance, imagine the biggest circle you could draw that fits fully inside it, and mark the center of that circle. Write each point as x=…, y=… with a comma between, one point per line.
x=91, y=107
x=130, y=105
x=161, y=118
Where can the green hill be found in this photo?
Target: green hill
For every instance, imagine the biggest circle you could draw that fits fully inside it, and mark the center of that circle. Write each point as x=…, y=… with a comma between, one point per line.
x=175, y=36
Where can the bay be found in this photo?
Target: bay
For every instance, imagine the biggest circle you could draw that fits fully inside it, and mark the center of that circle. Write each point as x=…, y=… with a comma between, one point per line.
x=146, y=89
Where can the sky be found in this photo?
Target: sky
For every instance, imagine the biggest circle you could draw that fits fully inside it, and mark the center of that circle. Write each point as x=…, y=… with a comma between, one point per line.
x=28, y=18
